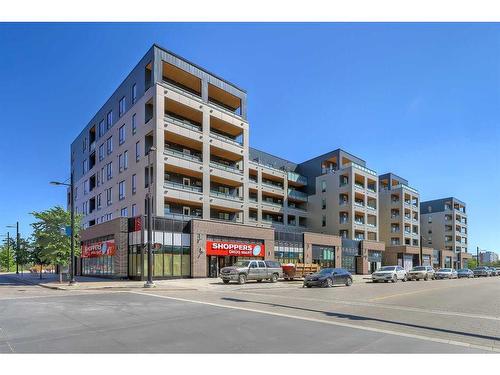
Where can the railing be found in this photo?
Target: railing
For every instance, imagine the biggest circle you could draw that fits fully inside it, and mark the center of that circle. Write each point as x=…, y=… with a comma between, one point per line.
x=270, y=220
x=253, y=199
x=179, y=186
x=272, y=203
x=225, y=167
x=361, y=168
x=226, y=139
x=296, y=208
x=297, y=194
x=223, y=107
x=371, y=225
x=359, y=204
x=295, y=177
x=373, y=190
x=359, y=186
x=267, y=166
x=359, y=222
x=183, y=89
x=274, y=186
x=254, y=180
x=183, y=155
x=371, y=207
x=182, y=217
x=394, y=230
x=231, y=220
x=183, y=123
x=225, y=195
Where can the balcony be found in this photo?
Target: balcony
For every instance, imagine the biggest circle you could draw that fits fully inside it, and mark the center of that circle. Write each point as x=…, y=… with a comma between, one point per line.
x=361, y=168
x=219, y=194
x=179, y=186
x=184, y=123
x=359, y=203
x=359, y=186
x=225, y=167
x=272, y=185
x=191, y=157
x=296, y=194
x=297, y=178
x=226, y=139
x=182, y=217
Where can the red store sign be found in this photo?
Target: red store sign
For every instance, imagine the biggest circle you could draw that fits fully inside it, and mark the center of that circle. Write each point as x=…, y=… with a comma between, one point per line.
x=99, y=249
x=235, y=249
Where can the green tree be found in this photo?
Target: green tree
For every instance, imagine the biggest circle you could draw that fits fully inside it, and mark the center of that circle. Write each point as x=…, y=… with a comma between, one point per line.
x=471, y=264
x=49, y=236
x=7, y=255
x=23, y=254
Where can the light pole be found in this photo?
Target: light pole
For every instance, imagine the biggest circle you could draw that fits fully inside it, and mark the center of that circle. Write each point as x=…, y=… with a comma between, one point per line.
x=72, y=280
x=17, y=244
x=149, y=283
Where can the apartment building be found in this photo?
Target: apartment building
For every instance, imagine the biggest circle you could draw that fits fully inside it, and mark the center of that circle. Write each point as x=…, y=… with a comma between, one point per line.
x=399, y=214
x=443, y=223
x=487, y=257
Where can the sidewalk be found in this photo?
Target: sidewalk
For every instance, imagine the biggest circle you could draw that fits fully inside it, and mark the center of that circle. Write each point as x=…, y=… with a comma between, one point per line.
x=94, y=283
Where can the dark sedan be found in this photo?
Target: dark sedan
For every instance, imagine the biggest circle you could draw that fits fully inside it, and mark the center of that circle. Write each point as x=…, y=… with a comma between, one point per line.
x=328, y=277
x=465, y=272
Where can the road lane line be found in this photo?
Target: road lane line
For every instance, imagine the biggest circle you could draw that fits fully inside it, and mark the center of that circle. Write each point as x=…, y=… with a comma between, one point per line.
x=329, y=322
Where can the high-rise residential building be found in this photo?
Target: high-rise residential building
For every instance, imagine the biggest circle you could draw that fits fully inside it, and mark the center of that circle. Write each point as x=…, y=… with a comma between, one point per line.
x=443, y=223
x=488, y=257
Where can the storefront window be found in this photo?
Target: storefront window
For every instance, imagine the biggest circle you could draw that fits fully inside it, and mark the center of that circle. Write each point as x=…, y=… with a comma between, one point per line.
x=289, y=252
x=97, y=258
x=323, y=255
x=349, y=259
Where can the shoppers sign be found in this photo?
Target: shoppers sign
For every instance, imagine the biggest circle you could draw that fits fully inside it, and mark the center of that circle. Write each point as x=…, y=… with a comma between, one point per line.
x=235, y=249
x=98, y=249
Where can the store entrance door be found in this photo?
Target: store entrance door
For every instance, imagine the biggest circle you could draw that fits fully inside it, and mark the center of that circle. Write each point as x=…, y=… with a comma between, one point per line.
x=216, y=263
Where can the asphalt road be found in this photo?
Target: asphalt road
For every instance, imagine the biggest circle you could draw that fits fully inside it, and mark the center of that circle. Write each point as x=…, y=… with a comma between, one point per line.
x=448, y=316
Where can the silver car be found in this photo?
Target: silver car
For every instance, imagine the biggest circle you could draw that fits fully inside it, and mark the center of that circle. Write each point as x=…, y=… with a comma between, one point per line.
x=389, y=273
x=446, y=273
x=421, y=273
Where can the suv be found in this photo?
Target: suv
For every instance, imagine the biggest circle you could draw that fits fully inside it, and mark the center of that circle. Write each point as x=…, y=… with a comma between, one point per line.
x=481, y=271
x=494, y=271
x=259, y=270
x=421, y=272
x=389, y=273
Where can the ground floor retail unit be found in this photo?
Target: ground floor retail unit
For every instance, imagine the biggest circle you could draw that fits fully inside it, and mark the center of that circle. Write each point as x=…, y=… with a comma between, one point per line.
x=201, y=248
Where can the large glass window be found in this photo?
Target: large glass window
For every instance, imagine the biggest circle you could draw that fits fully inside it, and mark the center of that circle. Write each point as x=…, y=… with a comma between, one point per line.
x=323, y=255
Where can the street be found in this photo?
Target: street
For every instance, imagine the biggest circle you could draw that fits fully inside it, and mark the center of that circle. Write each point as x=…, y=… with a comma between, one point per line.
x=447, y=316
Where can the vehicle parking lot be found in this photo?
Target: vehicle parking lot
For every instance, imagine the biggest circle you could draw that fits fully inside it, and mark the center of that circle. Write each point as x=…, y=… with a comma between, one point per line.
x=439, y=316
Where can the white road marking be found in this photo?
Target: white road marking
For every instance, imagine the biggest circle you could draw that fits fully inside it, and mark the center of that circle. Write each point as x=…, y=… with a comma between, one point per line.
x=330, y=322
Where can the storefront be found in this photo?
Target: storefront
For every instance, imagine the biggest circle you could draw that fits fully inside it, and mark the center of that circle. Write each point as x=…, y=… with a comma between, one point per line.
x=324, y=256
x=97, y=257
x=374, y=259
x=225, y=251
x=288, y=247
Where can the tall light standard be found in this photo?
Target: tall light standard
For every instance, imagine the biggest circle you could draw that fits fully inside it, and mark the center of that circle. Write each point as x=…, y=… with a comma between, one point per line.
x=72, y=280
x=149, y=283
x=17, y=244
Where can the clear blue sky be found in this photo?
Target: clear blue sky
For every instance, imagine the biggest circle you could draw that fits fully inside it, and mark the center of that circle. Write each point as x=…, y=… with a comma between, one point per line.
x=420, y=100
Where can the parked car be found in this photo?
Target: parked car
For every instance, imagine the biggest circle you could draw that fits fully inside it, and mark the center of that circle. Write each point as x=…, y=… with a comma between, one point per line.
x=498, y=271
x=481, y=271
x=421, y=272
x=245, y=270
x=389, y=273
x=446, y=273
x=494, y=271
x=465, y=272
x=328, y=277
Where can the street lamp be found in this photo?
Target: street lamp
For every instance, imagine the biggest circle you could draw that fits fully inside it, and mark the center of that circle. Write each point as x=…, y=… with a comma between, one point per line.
x=72, y=280
x=17, y=244
x=149, y=283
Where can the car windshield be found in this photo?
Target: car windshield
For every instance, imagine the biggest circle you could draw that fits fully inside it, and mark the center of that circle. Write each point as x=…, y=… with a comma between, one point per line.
x=418, y=269
x=463, y=270
x=242, y=263
x=386, y=269
x=326, y=271
x=445, y=270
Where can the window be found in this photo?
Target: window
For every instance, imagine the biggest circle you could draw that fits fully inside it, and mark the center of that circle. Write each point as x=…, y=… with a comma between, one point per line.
x=109, y=196
x=323, y=186
x=134, y=93
x=137, y=151
x=323, y=203
x=134, y=210
x=84, y=144
x=101, y=128
x=101, y=152
x=85, y=187
x=109, y=119
x=98, y=201
x=121, y=107
x=109, y=171
x=121, y=190
x=120, y=163
x=323, y=221
x=134, y=184
x=121, y=134
x=134, y=124
x=85, y=208
x=109, y=145
x=125, y=159
x=124, y=212
x=85, y=166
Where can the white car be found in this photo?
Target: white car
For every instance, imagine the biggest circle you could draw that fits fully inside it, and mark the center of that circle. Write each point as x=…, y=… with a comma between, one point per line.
x=446, y=273
x=389, y=273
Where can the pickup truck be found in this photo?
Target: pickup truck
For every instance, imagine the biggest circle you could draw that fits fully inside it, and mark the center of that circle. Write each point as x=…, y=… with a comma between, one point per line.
x=244, y=270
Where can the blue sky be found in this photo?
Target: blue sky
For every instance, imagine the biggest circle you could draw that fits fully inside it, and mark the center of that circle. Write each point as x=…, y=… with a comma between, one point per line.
x=420, y=100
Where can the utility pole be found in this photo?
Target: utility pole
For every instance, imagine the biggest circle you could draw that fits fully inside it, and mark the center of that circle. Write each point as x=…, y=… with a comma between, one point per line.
x=8, y=252
x=421, y=251
x=477, y=256
x=17, y=248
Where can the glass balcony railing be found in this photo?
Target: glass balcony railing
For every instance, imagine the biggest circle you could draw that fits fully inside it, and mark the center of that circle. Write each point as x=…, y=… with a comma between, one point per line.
x=361, y=168
x=273, y=203
x=226, y=139
x=183, y=123
x=404, y=186
x=359, y=186
x=274, y=186
x=295, y=177
x=371, y=207
x=182, y=217
x=297, y=194
x=182, y=155
x=359, y=204
x=225, y=167
x=179, y=186
x=220, y=194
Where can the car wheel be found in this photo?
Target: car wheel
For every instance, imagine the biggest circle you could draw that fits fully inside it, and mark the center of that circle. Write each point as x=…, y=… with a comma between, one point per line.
x=374, y=281
x=242, y=279
x=405, y=278
x=348, y=282
x=395, y=279
x=309, y=286
x=386, y=281
x=274, y=278
x=225, y=281
x=328, y=283
x=259, y=280
x=426, y=278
